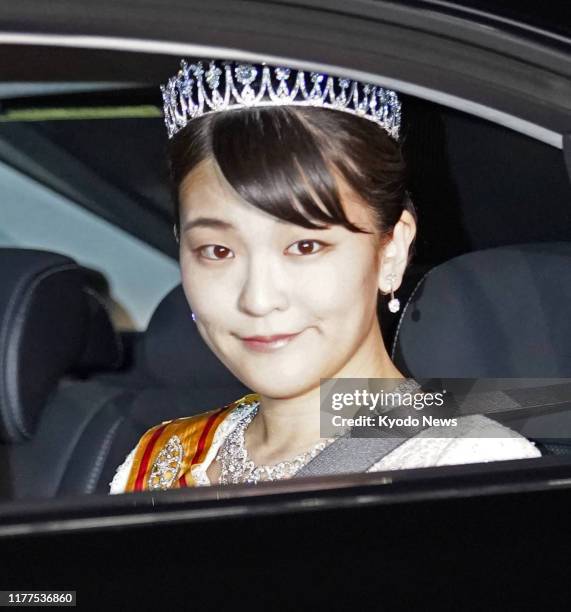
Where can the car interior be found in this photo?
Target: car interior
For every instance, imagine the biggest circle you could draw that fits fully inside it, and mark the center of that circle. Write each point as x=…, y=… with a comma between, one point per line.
x=486, y=294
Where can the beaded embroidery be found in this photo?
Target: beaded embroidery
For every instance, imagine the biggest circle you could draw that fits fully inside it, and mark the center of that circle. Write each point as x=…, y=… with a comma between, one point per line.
x=237, y=467
x=167, y=465
x=198, y=470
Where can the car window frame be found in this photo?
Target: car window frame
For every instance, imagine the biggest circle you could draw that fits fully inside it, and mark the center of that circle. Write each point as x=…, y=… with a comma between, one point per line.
x=426, y=483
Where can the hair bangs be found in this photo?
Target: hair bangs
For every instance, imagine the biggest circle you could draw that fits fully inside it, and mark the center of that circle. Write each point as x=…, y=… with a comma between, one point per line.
x=273, y=161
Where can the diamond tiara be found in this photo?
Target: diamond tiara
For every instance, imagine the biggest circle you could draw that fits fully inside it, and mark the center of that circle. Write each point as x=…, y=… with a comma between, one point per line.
x=226, y=85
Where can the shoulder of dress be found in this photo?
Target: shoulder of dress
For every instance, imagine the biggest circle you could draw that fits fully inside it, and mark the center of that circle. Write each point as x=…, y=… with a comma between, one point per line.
x=195, y=422
x=476, y=439
x=481, y=438
x=203, y=417
x=167, y=450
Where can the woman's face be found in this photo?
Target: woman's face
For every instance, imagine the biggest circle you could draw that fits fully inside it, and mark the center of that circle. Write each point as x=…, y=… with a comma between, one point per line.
x=246, y=273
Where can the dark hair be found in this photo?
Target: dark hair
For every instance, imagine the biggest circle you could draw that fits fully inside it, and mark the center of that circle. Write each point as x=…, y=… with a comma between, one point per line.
x=269, y=154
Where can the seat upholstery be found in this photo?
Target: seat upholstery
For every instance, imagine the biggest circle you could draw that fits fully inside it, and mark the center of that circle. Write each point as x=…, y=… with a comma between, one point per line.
x=497, y=313
x=52, y=325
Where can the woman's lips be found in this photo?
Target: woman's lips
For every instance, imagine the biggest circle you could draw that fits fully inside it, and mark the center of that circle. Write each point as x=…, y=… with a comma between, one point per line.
x=266, y=344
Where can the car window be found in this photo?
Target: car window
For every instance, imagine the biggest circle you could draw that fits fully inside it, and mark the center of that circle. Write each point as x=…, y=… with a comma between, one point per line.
x=84, y=174
x=68, y=189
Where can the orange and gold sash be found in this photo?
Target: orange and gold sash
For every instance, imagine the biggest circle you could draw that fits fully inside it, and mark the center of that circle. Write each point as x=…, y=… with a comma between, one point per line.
x=166, y=452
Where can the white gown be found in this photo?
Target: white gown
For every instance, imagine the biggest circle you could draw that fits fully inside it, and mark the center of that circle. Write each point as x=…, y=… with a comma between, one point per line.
x=477, y=439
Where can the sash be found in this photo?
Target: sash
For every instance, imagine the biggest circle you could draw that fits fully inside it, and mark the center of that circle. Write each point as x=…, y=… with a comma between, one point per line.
x=166, y=453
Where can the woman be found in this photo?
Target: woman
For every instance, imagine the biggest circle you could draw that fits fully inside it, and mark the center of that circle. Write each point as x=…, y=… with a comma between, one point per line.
x=291, y=216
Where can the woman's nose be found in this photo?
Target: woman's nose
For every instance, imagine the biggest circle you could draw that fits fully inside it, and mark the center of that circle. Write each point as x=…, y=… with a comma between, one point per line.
x=264, y=289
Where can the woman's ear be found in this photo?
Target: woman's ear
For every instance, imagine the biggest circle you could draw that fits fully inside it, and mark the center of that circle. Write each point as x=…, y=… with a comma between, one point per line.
x=394, y=255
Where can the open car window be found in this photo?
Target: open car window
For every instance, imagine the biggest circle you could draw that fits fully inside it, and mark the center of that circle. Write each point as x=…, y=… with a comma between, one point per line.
x=73, y=185
x=84, y=176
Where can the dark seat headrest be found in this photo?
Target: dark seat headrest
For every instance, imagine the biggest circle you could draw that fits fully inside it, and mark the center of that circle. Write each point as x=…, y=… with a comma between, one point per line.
x=176, y=354
x=498, y=313
x=51, y=323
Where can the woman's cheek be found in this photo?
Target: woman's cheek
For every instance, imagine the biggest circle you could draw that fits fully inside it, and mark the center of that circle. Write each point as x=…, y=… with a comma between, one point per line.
x=335, y=283
x=210, y=304
x=204, y=288
x=325, y=279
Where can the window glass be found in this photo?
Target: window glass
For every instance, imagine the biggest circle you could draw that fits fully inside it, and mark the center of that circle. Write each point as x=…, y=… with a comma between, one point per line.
x=73, y=183
x=83, y=169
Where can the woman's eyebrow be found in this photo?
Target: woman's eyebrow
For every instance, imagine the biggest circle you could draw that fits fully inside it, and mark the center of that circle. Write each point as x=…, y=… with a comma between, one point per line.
x=207, y=222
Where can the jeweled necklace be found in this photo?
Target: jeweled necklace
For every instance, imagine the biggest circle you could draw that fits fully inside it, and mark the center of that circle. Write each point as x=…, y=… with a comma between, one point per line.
x=237, y=467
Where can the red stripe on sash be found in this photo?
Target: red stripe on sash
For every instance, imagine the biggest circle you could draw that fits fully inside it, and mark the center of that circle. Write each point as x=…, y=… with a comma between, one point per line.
x=201, y=443
x=203, y=436
x=146, y=457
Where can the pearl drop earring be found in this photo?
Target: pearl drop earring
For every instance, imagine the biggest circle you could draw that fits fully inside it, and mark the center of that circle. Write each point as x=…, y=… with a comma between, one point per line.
x=394, y=303
x=194, y=317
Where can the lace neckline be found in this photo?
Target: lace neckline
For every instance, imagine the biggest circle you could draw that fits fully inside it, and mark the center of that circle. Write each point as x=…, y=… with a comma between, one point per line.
x=247, y=405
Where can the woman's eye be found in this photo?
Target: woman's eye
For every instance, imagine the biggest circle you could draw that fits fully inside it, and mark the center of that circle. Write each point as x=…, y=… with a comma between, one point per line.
x=307, y=247
x=215, y=252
